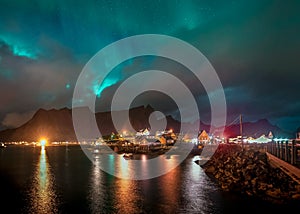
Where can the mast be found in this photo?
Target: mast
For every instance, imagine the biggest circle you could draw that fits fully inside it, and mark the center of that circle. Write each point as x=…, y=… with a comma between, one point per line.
x=241, y=130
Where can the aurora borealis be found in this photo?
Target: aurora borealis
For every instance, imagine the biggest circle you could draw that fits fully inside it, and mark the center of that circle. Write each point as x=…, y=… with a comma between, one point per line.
x=254, y=47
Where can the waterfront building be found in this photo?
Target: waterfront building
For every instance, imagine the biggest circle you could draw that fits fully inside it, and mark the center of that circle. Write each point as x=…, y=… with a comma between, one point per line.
x=143, y=132
x=203, y=137
x=261, y=139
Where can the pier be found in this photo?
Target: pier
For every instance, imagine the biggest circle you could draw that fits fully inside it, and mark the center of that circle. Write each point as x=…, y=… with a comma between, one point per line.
x=289, y=169
x=284, y=154
x=286, y=150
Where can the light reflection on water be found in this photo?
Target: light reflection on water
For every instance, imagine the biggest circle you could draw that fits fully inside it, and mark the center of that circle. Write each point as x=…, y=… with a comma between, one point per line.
x=133, y=196
x=42, y=195
x=127, y=196
x=95, y=194
x=198, y=191
x=170, y=187
x=109, y=194
x=35, y=178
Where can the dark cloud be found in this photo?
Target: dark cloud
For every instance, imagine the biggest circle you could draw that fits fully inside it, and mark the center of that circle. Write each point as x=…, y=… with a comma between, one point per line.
x=13, y=120
x=28, y=84
x=253, y=46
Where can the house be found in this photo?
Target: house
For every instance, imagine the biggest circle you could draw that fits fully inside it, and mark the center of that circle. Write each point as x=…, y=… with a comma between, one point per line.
x=203, y=137
x=143, y=132
x=168, y=138
x=261, y=139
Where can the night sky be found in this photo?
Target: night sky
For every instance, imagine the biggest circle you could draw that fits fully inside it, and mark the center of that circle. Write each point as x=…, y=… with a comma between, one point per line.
x=254, y=47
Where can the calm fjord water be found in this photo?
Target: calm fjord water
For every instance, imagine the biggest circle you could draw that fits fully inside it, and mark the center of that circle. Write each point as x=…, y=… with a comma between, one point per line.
x=62, y=179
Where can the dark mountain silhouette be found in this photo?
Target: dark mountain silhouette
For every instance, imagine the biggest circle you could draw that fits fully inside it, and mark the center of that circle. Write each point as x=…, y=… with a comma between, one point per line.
x=52, y=124
x=57, y=125
x=256, y=129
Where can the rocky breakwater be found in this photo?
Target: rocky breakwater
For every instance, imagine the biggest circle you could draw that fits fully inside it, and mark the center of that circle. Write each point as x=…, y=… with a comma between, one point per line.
x=248, y=171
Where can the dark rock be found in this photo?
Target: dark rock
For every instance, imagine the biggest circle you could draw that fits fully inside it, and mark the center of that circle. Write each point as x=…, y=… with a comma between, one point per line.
x=274, y=193
x=296, y=196
x=210, y=169
x=248, y=171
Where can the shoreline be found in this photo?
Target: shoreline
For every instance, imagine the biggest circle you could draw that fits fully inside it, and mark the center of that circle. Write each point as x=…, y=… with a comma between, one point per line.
x=248, y=172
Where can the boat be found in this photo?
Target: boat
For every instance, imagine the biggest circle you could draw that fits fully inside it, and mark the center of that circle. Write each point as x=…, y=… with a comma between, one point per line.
x=2, y=145
x=128, y=156
x=102, y=150
x=100, y=147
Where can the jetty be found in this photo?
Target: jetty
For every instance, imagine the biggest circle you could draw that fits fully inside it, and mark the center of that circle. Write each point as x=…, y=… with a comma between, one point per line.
x=253, y=171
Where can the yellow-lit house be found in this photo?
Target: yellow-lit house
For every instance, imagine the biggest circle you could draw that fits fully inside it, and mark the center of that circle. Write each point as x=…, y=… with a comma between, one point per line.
x=203, y=137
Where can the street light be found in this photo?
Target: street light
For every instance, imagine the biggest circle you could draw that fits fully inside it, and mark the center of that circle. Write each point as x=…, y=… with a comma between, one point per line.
x=43, y=142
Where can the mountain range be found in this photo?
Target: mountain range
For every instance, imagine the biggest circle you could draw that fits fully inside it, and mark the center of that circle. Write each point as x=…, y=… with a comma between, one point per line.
x=57, y=125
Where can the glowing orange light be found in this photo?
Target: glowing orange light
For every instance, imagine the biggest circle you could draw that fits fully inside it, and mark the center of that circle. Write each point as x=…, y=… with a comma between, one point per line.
x=43, y=142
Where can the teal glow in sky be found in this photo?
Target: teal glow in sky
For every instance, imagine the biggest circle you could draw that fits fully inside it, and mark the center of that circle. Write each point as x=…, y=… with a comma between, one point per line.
x=19, y=48
x=19, y=51
x=106, y=83
x=254, y=47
